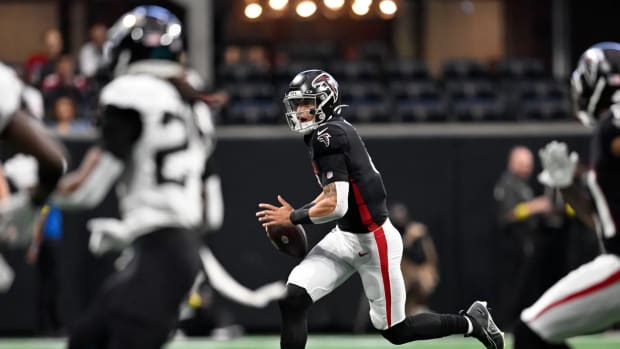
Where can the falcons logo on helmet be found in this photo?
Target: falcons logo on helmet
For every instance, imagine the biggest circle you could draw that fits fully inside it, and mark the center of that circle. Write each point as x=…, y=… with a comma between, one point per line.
x=325, y=80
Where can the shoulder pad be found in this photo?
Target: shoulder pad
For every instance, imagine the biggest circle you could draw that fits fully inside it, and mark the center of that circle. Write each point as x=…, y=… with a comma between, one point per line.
x=329, y=138
x=147, y=94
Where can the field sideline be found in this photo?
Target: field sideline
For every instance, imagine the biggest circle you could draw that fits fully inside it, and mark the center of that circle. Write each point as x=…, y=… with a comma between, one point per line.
x=609, y=341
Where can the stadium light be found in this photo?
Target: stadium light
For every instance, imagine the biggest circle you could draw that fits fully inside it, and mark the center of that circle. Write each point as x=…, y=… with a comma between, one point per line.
x=306, y=8
x=333, y=4
x=360, y=8
x=365, y=3
x=253, y=10
x=278, y=5
x=388, y=8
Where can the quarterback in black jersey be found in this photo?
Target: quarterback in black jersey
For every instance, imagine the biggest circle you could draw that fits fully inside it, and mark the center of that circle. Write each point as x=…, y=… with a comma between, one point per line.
x=363, y=241
x=587, y=300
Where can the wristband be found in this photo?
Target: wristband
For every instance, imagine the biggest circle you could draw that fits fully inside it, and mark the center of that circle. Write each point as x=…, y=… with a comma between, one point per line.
x=521, y=211
x=301, y=216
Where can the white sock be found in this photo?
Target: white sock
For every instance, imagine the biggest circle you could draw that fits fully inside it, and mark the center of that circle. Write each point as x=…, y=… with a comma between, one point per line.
x=470, y=326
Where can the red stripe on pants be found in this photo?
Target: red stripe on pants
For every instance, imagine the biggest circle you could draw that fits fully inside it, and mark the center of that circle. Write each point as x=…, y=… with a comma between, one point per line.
x=607, y=282
x=385, y=272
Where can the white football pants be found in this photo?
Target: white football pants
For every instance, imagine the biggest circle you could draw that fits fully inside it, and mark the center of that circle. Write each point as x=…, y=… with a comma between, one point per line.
x=375, y=256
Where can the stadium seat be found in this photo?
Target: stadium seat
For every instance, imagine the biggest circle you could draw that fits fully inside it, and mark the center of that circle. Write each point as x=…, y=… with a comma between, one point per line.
x=368, y=111
x=308, y=51
x=543, y=100
x=406, y=70
x=352, y=71
x=362, y=92
x=375, y=51
x=520, y=69
x=420, y=110
x=243, y=72
x=478, y=109
x=462, y=68
x=251, y=91
x=252, y=112
x=474, y=100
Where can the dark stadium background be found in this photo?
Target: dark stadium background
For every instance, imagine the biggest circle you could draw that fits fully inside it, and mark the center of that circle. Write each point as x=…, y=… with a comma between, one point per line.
x=443, y=170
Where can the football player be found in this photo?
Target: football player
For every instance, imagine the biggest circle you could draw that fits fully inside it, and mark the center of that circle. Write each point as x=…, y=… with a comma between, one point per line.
x=363, y=241
x=154, y=145
x=587, y=300
x=26, y=135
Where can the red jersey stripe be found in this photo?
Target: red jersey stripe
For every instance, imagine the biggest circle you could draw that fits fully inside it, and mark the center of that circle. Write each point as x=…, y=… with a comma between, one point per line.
x=363, y=208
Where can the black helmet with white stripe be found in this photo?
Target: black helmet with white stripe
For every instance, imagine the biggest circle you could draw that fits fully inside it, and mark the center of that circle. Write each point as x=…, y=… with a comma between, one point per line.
x=317, y=88
x=595, y=83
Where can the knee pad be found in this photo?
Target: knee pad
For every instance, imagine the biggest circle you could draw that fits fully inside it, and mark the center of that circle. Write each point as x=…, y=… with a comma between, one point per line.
x=397, y=334
x=296, y=297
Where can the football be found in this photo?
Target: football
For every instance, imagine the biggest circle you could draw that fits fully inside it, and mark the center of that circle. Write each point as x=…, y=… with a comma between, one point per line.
x=289, y=240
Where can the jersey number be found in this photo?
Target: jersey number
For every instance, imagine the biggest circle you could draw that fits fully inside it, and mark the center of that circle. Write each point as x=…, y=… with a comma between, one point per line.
x=162, y=154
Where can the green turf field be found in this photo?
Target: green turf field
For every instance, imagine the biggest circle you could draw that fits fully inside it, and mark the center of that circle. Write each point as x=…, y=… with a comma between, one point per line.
x=322, y=342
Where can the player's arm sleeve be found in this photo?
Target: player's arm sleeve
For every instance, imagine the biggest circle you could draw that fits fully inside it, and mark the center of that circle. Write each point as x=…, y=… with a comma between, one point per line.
x=94, y=186
x=120, y=128
x=338, y=197
x=330, y=148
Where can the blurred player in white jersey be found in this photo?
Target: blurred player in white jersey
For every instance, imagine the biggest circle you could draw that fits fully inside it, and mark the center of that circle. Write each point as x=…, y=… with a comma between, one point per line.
x=22, y=133
x=587, y=300
x=154, y=144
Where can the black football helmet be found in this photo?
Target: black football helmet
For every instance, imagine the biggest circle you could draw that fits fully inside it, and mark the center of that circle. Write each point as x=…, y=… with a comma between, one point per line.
x=146, y=32
x=596, y=81
x=314, y=87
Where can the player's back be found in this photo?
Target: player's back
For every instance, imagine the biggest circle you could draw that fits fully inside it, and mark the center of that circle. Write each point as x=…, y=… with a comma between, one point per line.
x=161, y=185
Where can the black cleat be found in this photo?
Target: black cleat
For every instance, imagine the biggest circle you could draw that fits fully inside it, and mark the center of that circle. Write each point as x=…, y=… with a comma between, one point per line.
x=484, y=329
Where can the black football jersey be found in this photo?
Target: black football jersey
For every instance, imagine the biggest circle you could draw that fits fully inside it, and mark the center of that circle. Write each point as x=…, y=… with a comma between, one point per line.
x=339, y=154
x=604, y=180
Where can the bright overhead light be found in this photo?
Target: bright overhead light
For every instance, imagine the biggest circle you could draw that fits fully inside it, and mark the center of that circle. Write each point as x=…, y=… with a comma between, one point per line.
x=278, y=4
x=360, y=9
x=333, y=4
x=388, y=7
x=365, y=3
x=253, y=10
x=306, y=8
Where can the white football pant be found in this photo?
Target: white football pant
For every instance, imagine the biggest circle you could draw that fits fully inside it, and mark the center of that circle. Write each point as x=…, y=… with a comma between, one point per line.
x=375, y=256
x=585, y=301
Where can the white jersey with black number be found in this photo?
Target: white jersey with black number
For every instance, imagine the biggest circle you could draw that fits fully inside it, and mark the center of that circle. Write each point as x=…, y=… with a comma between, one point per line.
x=161, y=183
x=10, y=94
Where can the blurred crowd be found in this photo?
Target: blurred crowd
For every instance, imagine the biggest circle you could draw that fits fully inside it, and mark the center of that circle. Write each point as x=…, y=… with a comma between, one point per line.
x=250, y=80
